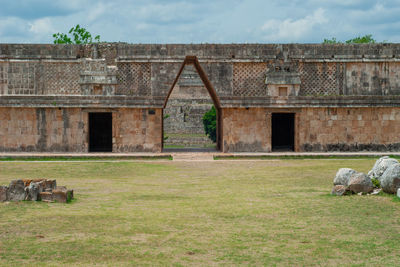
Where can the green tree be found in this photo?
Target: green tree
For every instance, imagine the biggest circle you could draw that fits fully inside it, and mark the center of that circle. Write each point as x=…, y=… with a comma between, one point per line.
x=76, y=35
x=366, y=39
x=210, y=124
x=330, y=41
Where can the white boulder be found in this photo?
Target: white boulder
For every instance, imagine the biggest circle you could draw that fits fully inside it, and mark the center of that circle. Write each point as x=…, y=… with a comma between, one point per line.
x=343, y=176
x=381, y=166
x=390, y=179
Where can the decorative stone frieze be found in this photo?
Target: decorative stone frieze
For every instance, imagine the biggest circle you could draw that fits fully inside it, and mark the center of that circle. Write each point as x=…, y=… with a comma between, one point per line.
x=96, y=78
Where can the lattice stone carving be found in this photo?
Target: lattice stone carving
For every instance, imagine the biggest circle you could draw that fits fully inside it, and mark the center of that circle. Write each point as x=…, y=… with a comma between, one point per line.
x=61, y=78
x=134, y=79
x=249, y=79
x=3, y=72
x=21, y=78
x=319, y=78
x=3, y=78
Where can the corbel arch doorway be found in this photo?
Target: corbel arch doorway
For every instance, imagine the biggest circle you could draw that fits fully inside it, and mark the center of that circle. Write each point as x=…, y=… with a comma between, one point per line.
x=193, y=60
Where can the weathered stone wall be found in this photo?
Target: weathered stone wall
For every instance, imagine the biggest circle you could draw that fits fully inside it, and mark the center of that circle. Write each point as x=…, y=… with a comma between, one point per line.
x=246, y=130
x=43, y=129
x=66, y=130
x=379, y=78
x=137, y=130
x=349, y=129
x=316, y=129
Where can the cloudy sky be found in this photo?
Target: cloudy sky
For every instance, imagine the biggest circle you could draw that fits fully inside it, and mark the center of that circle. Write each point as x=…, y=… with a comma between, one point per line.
x=201, y=21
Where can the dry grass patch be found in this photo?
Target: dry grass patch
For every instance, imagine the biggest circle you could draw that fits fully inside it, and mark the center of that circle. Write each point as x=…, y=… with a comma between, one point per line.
x=276, y=212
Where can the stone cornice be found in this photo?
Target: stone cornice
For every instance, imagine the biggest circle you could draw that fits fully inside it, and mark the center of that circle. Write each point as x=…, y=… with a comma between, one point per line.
x=57, y=101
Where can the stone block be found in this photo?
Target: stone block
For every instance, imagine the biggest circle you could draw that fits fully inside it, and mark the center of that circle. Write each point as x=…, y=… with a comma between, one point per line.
x=3, y=193
x=32, y=191
x=46, y=196
x=50, y=184
x=62, y=195
x=45, y=185
x=16, y=190
x=59, y=194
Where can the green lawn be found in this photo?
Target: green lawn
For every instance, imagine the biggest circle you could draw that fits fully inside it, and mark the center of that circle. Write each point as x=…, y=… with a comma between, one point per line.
x=268, y=212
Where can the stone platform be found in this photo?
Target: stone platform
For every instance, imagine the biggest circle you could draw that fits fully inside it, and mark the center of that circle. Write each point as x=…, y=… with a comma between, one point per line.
x=186, y=155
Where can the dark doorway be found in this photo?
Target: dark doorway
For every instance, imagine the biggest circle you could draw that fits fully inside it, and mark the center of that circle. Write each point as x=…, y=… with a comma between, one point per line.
x=100, y=132
x=282, y=131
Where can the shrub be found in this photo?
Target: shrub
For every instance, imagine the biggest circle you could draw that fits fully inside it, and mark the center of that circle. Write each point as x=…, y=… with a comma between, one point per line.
x=165, y=137
x=376, y=183
x=210, y=124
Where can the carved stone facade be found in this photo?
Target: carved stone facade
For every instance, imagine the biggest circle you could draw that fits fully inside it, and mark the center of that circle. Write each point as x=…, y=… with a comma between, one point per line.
x=342, y=97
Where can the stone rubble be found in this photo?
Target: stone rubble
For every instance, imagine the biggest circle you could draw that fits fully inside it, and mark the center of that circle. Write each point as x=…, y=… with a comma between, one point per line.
x=35, y=190
x=386, y=170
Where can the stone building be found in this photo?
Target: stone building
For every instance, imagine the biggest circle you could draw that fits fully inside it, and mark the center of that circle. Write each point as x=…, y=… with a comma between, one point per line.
x=111, y=97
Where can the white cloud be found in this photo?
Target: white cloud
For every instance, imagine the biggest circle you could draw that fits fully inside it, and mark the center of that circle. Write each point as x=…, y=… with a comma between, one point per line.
x=342, y=3
x=97, y=11
x=168, y=12
x=289, y=30
x=41, y=26
x=74, y=4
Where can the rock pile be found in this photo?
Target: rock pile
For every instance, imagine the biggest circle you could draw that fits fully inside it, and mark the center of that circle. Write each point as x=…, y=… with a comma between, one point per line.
x=385, y=174
x=34, y=190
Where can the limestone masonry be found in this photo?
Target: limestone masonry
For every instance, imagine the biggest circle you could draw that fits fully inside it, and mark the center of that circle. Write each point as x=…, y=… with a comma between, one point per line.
x=112, y=96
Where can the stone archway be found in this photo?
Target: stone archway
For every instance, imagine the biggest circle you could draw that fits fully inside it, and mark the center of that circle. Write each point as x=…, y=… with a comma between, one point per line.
x=192, y=60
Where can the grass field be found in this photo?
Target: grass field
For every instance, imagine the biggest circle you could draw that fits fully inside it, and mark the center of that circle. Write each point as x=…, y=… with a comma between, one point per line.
x=269, y=212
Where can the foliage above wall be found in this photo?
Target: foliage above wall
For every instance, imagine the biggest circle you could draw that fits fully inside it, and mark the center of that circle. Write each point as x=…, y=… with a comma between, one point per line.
x=366, y=39
x=76, y=35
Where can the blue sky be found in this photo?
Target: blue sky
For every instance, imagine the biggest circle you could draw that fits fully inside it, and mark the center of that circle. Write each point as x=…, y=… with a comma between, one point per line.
x=201, y=21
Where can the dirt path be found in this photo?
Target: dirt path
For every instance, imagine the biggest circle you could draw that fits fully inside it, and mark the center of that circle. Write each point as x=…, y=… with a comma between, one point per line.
x=192, y=156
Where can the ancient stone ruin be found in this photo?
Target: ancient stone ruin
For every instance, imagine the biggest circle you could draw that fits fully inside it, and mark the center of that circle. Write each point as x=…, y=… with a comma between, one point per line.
x=385, y=176
x=112, y=97
x=35, y=190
